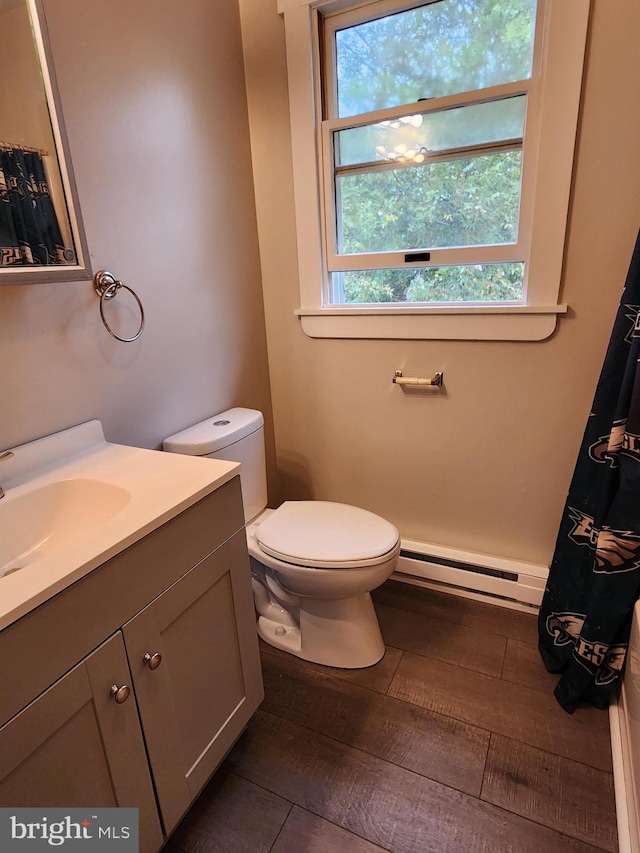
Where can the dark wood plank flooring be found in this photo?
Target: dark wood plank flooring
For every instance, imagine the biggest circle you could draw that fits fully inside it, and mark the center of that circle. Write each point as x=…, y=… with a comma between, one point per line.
x=453, y=743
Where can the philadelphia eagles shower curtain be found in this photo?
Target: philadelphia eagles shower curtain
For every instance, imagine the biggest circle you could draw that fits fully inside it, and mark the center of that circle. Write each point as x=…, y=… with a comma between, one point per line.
x=594, y=580
x=29, y=230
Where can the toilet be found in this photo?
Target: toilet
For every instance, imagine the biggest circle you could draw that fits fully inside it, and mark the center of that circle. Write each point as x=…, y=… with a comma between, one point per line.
x=313, y=563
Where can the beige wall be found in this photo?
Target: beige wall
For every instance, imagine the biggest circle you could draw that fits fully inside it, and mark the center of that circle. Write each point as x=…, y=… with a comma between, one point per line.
x=487, y=465
x=154, y=103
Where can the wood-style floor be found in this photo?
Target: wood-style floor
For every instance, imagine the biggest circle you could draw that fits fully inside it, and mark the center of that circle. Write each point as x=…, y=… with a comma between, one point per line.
x=453, y=742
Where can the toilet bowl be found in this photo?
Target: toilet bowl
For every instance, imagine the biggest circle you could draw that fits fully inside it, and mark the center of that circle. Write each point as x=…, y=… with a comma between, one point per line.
x=317, y=562
x=313, y=563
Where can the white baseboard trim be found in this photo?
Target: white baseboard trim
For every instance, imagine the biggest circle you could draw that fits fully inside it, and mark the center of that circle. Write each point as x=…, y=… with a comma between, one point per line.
x=465, y=593
x=470, y=574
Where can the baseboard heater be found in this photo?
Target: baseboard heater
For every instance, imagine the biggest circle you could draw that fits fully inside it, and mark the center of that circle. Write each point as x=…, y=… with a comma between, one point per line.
x=454, y=570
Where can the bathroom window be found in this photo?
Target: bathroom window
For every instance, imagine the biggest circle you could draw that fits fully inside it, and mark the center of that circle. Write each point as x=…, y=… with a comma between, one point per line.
x=433, y=148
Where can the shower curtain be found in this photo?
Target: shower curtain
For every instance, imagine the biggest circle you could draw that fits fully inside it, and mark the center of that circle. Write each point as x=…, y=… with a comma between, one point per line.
x=29, y=230
x=594, y=579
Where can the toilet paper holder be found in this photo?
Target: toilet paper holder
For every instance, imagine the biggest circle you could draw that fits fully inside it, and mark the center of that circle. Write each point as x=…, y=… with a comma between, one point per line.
x=437, y=379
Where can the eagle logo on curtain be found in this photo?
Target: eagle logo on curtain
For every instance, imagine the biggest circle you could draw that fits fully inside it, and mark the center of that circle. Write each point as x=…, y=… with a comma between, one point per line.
x=605, y=661
x=611, y=665
x=607, y=448
x=615, y=550
x=565, y=627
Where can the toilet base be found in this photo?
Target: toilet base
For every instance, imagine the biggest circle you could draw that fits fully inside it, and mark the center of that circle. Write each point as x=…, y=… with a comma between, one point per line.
x=343, y=632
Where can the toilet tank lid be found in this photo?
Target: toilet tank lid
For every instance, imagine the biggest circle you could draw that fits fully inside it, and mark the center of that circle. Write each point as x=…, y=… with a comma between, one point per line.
x=215, y=433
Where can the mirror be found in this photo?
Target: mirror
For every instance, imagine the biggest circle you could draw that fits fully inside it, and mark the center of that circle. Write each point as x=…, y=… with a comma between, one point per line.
x=41, y=236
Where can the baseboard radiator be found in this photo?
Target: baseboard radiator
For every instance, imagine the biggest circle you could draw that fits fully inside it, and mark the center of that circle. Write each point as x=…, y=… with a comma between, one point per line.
x=468, y=573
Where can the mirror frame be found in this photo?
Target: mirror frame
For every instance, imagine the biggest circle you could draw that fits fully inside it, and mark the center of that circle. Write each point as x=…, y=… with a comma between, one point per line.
x=81, y=270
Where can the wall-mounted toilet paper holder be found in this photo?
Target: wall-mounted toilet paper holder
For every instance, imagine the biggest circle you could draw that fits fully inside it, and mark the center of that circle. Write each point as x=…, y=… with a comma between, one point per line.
x=437, y=379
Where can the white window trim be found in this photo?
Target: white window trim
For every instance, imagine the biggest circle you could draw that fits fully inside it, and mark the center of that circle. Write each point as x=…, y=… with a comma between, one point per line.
x=564, y=40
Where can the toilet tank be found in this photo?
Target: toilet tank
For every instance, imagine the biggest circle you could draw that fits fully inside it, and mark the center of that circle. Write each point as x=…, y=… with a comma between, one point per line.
x=236, y=435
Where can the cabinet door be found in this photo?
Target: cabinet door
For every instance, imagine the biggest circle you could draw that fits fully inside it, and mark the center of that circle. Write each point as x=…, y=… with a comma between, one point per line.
x=74, y=746
x=207, y=683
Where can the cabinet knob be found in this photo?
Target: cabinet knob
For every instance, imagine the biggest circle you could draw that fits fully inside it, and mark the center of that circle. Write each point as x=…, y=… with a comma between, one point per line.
x=120, y=694
x=153, y=661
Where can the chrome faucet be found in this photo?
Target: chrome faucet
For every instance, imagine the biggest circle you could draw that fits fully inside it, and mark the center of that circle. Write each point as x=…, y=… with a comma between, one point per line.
x=8, y=454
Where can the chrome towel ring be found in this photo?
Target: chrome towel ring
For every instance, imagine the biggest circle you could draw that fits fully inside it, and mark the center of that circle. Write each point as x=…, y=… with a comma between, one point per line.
x=106, y=286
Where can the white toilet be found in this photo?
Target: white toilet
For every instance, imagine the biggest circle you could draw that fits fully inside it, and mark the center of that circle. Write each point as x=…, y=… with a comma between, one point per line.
x=313, y=563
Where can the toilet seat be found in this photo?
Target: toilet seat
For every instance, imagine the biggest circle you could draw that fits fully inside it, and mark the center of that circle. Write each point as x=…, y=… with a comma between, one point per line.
x=326, y=535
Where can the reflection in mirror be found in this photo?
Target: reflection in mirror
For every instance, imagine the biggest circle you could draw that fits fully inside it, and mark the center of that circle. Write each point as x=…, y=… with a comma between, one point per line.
x=40, y=230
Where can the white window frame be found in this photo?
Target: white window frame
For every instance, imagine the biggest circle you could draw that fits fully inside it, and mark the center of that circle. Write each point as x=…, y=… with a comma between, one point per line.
x=554, y=92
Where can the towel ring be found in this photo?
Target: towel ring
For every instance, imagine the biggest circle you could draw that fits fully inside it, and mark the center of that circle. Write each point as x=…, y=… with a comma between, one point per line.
x=106, y=286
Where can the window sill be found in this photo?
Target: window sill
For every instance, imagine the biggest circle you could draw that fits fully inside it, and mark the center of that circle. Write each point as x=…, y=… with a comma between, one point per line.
x=442, y=322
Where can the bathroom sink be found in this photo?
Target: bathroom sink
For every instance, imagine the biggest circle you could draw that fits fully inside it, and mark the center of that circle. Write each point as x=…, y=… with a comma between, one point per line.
x=73, y=500
x=39, y=522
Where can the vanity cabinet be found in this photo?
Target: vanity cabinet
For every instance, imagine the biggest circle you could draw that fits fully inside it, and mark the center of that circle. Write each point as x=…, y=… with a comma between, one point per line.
x=75, y=746
x=197, y=701
x=171, y=619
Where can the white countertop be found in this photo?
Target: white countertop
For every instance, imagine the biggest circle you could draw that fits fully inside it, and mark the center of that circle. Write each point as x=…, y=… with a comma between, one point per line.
x=160, y=485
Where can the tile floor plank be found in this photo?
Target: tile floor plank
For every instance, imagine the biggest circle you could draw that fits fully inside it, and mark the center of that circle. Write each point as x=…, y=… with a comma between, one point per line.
x=523, y=665
x=231, y=815
x=306, y=832
x=459, y=611
x=437, y=747
x=385, y=804
x=446, y=641
x=377, y=677
x=562, y=794
x=509, y=709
